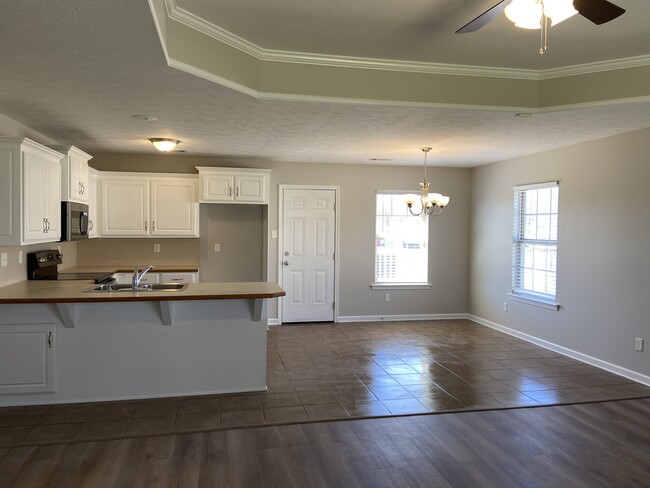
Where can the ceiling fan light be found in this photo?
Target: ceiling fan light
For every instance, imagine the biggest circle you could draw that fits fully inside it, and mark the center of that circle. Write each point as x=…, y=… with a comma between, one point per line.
x=526, y=14
x=164, y=144
x=559, y=10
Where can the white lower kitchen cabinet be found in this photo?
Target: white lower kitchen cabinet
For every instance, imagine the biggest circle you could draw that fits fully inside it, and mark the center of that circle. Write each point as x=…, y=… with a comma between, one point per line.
x=184, y=277
x=27, y=358
x=151, y=277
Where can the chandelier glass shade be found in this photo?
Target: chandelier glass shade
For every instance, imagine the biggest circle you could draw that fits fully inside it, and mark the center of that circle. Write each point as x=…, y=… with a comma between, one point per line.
x=431, y=204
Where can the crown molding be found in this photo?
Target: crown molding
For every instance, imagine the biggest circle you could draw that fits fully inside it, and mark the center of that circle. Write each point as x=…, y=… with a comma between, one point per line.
x=199, y=24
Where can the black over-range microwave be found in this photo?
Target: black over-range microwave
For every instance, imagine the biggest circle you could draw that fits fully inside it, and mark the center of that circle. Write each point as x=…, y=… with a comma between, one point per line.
x=74, y=221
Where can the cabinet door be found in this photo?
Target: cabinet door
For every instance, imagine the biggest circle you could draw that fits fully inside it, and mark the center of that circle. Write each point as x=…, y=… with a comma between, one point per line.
x=174, y=208
x=250, y=188
x=27, y=358
x=78, y=178
x=93, y=210
x=184, y=277
x=124, y=207
x=217, y=188
x=35, y=198
x=53, y=201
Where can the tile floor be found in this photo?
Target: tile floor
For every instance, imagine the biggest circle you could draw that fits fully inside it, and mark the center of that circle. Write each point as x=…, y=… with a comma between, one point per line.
x=333, y=371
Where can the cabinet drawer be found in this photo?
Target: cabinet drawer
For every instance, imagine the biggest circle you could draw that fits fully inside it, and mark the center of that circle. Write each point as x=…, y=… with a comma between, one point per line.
x=179, y=277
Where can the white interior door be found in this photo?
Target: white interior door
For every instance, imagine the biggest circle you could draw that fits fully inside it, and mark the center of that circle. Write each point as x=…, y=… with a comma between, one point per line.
x=308, y=247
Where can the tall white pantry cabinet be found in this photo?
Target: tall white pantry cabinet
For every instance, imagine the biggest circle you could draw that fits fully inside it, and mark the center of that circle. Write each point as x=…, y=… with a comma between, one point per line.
x=30, y=193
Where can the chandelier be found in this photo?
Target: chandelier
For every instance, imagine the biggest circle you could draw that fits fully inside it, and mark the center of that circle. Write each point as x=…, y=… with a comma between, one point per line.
x=535, y=14
x=430, y=203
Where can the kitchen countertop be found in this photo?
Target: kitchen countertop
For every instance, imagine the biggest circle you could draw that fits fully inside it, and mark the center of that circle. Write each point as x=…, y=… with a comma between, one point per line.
x=163, y=268
x=72, y=291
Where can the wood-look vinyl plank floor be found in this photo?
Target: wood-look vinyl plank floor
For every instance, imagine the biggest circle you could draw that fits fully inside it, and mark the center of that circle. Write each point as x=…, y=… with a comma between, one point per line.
x=590, y=445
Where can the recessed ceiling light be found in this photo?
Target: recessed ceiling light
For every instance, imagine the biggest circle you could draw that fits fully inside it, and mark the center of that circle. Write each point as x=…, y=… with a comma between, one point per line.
x=523, y=115
x=146, y=118
x=379, y=159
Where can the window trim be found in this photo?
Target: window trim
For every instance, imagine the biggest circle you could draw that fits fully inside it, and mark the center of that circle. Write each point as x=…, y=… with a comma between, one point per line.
x=526, y=296
x=417, y=285
x=401, y=286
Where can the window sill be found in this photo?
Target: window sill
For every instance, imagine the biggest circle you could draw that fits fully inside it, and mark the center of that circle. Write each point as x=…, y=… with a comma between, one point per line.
x=400, y=286
x=534, y=300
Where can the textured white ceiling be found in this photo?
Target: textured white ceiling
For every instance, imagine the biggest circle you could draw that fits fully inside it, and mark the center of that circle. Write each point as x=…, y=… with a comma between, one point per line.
x=78, y=71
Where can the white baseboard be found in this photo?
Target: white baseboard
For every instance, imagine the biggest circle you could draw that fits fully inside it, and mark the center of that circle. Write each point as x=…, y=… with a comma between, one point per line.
x=599, y=363
x=401, y=318
x=273, y=322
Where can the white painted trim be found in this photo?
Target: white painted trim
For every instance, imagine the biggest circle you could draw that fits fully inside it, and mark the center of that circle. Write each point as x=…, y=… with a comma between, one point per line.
x=599, y=363
x=273, y=322
x=400, y=286
x=6, y=401
x=337, y=239
x=199, y=24
x=401, y=318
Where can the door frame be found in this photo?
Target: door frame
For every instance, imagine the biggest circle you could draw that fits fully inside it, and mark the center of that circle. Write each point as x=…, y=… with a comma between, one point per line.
x=337, y=204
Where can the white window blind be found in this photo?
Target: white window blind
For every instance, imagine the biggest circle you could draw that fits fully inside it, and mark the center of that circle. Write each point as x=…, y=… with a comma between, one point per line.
x=401, y=242
x=534, y=255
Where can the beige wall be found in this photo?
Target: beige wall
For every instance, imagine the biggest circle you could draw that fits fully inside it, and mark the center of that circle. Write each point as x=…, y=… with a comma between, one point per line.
x=449, y=234
x=603, y=282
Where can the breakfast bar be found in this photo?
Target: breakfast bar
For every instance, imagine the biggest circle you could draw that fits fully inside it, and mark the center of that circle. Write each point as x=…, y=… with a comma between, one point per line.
x=62, y=342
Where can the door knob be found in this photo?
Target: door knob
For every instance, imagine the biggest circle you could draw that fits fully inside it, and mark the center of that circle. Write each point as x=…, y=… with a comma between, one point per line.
x=286, y=263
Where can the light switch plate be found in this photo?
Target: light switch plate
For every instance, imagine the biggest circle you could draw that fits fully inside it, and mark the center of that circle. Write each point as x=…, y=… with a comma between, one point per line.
x=217, y=248
x=156, y=248
x=3, y=259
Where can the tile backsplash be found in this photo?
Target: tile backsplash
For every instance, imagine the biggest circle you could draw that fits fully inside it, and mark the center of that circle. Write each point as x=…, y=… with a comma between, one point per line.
x=108, y=252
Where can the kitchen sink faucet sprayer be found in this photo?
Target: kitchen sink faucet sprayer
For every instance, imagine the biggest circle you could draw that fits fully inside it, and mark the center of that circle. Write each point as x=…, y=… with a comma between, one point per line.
x=137, y=276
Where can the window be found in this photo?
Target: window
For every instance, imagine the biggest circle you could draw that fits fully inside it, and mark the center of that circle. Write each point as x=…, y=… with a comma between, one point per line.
x=534, y=250
x=401, y=242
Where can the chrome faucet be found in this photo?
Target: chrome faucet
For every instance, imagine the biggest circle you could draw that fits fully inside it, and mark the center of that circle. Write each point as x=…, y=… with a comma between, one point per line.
x=138, y=275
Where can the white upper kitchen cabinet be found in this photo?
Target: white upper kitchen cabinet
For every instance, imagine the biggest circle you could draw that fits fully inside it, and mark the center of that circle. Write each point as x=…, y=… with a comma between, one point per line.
x=174, y=207
x=148, y=205
x=93, y=203
x=233, y=185
x=30, y=192
x=74, y=174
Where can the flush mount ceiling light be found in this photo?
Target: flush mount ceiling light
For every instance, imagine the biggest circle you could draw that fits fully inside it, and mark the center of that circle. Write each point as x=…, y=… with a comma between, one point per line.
x=430, y=203
x=146, y=118
x=163, y=144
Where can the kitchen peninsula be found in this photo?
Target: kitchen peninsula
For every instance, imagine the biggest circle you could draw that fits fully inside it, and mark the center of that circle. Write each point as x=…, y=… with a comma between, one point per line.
x=61, y=343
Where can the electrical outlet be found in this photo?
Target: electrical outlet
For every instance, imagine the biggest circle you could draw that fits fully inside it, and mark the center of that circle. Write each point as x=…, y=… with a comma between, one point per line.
x=274, y=234
x=3, y=259
x=217, y=247
x=20, y=257
x=156, y=248
x=638, y=344
x=505, y=306
x=387, y=297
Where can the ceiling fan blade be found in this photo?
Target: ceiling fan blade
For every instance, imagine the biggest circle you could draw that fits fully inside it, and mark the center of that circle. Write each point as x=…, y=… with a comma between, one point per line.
x=485, y=17
x=598, y=11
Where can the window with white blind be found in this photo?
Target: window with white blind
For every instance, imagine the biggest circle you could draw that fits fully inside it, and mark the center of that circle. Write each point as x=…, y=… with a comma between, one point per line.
x=534, y=249
x=401, y=243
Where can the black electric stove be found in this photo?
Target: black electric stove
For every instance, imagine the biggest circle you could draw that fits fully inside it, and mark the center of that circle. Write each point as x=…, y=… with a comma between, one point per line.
x=44, y=265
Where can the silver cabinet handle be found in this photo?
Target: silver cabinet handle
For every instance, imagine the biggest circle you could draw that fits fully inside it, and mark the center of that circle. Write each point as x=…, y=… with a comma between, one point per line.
x=153, y=225
x=237, y=191
x=145, y=225
x=230, y=191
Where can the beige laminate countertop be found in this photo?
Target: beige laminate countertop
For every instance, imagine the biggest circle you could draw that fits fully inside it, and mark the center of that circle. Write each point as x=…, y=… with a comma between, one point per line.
x=72, y=291
x=163, y=268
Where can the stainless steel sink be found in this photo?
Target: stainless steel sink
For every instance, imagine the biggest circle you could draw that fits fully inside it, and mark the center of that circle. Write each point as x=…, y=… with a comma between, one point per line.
x=144, y=287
